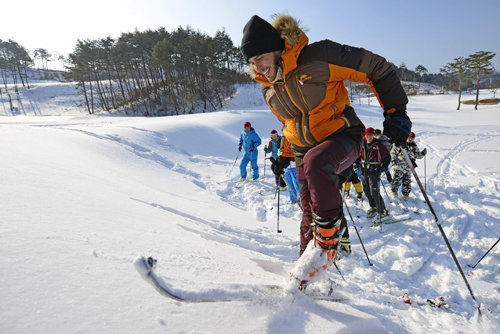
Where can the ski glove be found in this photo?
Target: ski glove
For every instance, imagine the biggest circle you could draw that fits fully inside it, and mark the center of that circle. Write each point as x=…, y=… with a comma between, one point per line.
x=279, y=164
x=239, y=148
x=265, y=149
x=397, y=126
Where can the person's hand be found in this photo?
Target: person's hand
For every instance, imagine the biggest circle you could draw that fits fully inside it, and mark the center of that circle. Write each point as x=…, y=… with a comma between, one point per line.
x=424, y=151
x=397, y=126
x=283, y=162
x=279, y=164
x=239, y=148
x=265, y=149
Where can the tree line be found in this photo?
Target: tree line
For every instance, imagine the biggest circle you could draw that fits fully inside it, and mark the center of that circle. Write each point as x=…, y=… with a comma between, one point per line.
x=473, y=68
x=164, y=73
x=14, y=62
x=462, y=72
x=157, y=72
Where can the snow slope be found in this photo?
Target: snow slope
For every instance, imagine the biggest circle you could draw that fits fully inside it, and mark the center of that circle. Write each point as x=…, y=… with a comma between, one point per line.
x=82, y=196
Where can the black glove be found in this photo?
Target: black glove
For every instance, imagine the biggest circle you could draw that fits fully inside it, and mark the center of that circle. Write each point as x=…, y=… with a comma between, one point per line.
x=251, y=149
x=345, y=175
x=279, y=164
x=239, y=148
x=397, y=126
x=424, y=151
x=265, y=149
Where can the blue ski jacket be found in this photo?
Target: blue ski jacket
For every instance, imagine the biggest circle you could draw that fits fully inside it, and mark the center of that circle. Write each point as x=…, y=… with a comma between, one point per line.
x=249, y=141
x=274, y=146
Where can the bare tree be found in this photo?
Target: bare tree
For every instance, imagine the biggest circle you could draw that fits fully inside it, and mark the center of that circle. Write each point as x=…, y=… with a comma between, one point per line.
x=493, y=87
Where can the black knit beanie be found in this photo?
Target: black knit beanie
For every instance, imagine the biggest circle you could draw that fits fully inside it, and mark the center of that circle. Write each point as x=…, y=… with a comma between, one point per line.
x=260, y=37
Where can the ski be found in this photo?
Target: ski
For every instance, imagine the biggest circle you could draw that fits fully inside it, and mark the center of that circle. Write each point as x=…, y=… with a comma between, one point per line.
x=438, y=302
x=246, y=292
x=234, y=293
x=388, y=222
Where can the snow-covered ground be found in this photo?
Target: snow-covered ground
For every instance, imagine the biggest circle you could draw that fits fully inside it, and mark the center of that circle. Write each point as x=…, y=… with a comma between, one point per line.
x=82, y=196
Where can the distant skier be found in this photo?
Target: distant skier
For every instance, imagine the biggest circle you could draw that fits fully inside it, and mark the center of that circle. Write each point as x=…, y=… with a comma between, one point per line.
x=384, y=140
x=274, y=149
x=274, y=144
x=374, y=157
x=249, y=141
x=402, y=171
x=355, y=182
x=304, y=86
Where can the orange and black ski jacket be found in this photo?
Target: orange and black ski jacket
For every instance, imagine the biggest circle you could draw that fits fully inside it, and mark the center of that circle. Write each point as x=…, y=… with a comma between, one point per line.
x=312, y=101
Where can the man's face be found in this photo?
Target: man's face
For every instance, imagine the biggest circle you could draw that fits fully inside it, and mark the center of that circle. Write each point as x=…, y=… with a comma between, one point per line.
x=247, y=128
x=265, y=64
x=369, y=137
x=409, y=140
x=274, y=136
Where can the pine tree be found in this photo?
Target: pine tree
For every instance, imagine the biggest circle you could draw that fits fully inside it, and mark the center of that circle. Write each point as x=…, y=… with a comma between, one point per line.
x=457, y=70
x=421, y=70
x=480, y=63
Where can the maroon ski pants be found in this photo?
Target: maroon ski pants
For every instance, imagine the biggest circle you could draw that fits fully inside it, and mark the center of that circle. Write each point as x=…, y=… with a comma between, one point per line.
x=319, y=183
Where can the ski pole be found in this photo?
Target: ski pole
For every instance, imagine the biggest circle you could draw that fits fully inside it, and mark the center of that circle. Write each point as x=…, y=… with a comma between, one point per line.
x=237, y=156
x=265, y=154
x=408, y=161
x=339, y=270
x=425, y=172
x=290, y=190
x=383, y=186
x=278, y=223
x=486, y=253
x=357, y=232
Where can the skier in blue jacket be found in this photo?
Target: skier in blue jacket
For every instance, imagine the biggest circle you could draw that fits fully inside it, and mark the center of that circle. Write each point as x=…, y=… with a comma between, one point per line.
x=274, y=144
x=249, y=141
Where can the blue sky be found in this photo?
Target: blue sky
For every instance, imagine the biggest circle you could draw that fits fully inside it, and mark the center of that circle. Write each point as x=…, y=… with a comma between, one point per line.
x=425, y=32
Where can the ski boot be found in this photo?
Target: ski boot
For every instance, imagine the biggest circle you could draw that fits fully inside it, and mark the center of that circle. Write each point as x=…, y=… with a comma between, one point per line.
x=345, y=248
x=315, y=260
x=360, y=196
x=371, y=212
x=383, y=214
